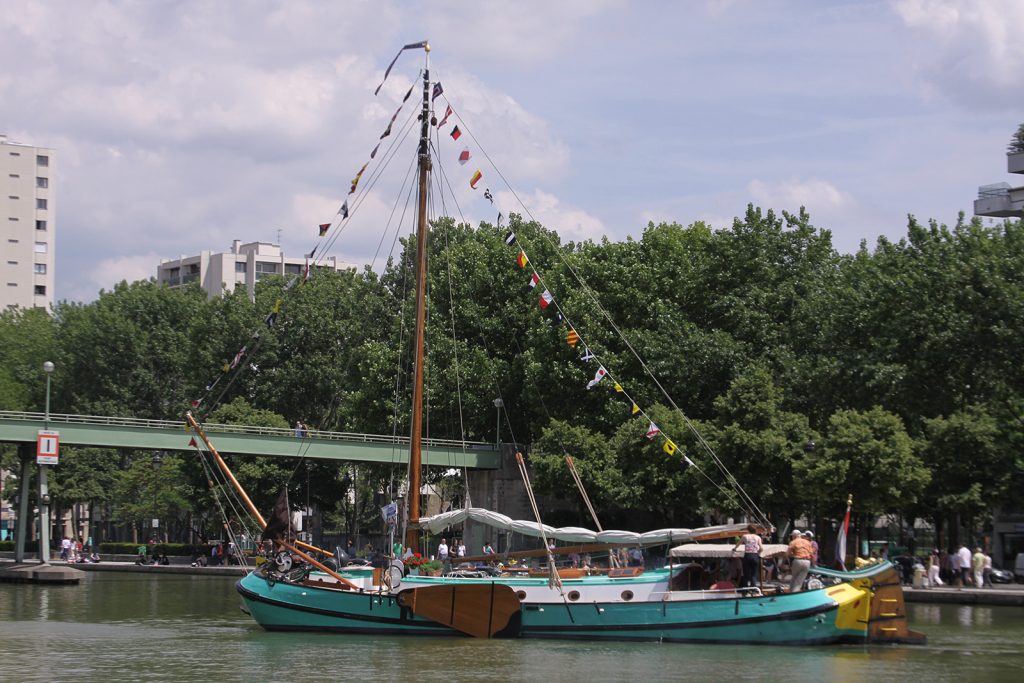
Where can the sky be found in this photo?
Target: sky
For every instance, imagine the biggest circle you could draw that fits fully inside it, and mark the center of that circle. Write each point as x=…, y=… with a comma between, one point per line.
x=181, y=126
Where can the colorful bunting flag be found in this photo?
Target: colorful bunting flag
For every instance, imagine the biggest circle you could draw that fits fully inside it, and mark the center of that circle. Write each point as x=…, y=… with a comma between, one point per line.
x=556, y=321
x=271, y=319
x=488, y=196
x=192, y=441
x=571, y=338
x=509, y=238
x=438, y=89
x=195, y=403
x=456, y=133
x=545, y=299
x=634, y=410
x=653, y=430
x=444, y=119
x=669, y=447
x=408, y=93
x=618, y=388
x=587, y=356
x=387, y=72
x=534, y=279
x=687, y=463
x=277, y=305
x=238, y=357
x=598, y=376
x=475, y=179
x=344, y=210
x=355, y=181
x=324, y=227
x=500, y=217
x=374, y=152
x=521, y=260
x=464, y=156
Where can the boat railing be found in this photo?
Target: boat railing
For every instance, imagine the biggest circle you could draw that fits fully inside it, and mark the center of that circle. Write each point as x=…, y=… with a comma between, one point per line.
x=211, y=428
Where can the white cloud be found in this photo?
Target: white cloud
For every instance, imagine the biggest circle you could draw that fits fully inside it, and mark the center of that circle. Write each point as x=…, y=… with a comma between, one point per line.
x=969, y=50
x=570, y=222
x=816, y=195
x=110, y=271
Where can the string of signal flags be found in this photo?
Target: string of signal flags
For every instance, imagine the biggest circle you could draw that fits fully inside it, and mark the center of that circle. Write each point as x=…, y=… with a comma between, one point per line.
x=546, y=301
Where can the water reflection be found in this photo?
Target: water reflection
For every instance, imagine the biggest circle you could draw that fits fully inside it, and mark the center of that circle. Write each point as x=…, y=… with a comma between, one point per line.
x=146, y=627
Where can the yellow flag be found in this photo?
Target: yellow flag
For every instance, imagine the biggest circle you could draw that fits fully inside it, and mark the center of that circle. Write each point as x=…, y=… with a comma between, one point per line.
x=635, y=409
x=277, y=306
x=618, y=388
x=669, y=447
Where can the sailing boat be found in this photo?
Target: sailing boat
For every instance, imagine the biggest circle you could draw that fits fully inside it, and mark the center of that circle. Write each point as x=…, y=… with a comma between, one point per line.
x=297, y=591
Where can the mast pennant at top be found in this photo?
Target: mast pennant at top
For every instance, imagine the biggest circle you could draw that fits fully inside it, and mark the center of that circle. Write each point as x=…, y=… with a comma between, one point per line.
x=411, y=46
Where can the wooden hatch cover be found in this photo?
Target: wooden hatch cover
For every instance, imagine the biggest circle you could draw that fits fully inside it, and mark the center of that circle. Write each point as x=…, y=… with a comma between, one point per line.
x=477, y=609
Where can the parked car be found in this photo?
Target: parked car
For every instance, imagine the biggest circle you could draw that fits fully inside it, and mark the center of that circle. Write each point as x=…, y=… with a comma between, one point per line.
x=1001, y=575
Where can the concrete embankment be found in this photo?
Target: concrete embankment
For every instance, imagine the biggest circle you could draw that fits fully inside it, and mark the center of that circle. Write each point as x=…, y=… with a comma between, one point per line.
x=61, y=572
x=1009, y=595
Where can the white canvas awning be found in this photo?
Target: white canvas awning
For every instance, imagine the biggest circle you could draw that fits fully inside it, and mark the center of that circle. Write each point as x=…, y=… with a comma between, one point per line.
x=720, y=550
x=437, y=523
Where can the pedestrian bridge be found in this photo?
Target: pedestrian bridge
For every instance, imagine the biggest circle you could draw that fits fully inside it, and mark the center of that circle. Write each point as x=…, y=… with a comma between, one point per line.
x=165, y=435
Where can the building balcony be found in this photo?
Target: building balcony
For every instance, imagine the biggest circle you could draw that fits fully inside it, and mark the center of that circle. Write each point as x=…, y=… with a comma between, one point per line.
x=1015, y=162
x=999, y=200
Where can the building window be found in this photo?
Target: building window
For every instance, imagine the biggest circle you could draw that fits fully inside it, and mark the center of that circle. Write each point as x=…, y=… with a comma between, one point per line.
x=293, y=268
x=240, y=266
x=41, y=290
x=40, y=268
x=264, y=268
x=15, y=154
x=13, y=175
x=12, y=284
x=42, y=160
x=40, y=225
x=13, y=241
x=41, y=203
x=13, y=196
x=12, y=263
x=40, y=247
x=12, y=218
x=42, y=182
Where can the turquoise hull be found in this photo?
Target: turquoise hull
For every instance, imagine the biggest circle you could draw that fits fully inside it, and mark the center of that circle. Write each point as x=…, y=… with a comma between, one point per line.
x=809, y=617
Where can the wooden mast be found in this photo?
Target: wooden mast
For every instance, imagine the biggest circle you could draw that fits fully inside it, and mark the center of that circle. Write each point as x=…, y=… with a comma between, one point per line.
x=416, y=435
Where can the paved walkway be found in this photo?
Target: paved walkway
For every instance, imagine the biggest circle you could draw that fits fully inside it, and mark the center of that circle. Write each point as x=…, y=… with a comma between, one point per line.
x=181, y=567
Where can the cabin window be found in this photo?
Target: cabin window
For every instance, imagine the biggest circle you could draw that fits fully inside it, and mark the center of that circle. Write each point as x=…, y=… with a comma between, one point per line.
x=573, y=596
x=521, y=595
x=627, y=595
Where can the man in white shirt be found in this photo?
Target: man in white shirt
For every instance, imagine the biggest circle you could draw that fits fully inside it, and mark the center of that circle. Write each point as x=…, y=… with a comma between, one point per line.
x=964, y=557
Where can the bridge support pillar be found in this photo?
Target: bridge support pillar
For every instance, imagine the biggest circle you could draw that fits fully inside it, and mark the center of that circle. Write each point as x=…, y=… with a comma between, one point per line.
x=21, y=530
x=501, y=490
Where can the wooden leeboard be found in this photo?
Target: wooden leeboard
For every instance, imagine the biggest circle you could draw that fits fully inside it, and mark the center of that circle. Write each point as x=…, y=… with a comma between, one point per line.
x=476, y=609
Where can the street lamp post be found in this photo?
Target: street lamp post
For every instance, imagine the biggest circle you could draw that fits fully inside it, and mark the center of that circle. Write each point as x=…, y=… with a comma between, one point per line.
x=44, y=491
x=498, y=405
x=158, y=459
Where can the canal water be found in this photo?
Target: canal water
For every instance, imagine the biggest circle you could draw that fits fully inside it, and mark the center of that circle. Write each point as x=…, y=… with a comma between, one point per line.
x=160, y=627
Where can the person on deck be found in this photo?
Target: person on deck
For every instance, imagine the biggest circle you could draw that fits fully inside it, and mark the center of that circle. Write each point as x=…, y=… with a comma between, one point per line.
x=800, y=552
x=751, y=543
x=442, y=554
x=809, y=535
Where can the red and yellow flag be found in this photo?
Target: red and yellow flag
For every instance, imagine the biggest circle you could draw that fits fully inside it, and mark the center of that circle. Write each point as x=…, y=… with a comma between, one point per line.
x=572, y=338
x=521, y=260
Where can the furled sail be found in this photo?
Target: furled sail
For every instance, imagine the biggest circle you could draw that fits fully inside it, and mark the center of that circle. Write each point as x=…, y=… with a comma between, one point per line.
x=437, y=523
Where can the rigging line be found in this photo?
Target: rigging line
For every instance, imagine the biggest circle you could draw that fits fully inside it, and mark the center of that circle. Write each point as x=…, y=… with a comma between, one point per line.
x=361, y=194
x=403, y=315
x=483, y=341
x=591, y=295
x=217, y=499
x=406, y=182
x=231, y=499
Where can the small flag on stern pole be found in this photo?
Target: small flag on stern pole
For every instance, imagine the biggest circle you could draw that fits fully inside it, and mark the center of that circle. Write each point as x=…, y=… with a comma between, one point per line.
x=843, y=531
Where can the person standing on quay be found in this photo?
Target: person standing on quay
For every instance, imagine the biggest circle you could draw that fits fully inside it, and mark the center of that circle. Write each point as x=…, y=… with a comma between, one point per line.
x=964, y=556
x=809, y=535
x=751, y=543
x=978, y=564
x=800, y=552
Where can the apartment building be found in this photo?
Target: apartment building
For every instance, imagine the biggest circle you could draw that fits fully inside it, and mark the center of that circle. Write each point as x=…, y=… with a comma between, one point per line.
x=28, y=227
x=243, y=266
